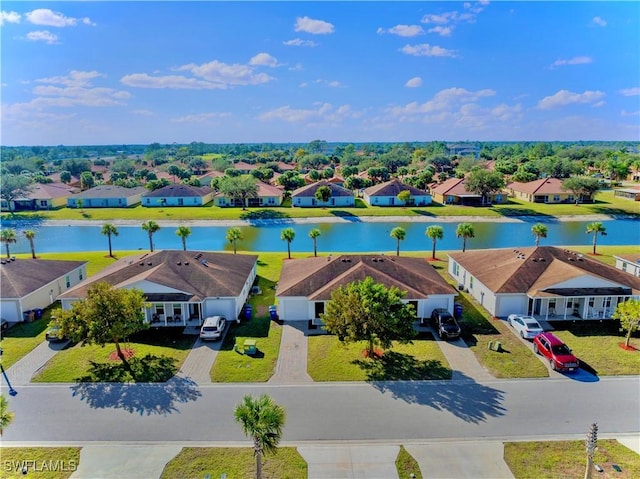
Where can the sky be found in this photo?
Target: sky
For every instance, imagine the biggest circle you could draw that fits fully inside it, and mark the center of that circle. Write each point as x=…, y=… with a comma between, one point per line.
x=86, y=73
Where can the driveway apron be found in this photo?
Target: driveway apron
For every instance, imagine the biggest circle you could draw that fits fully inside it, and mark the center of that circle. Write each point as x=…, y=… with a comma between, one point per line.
x=350, y=461
x=462, y=360
x=124, y=462
x=22, y=371
x=462, y=460
x=292, y=358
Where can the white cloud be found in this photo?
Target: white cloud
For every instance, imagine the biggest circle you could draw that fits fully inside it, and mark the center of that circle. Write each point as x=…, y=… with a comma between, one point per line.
x=426, y=50
x=9, y=17
x=45, y=16
x=144, y=80
x=414, y=82
x=572, y=61
x=298, y=42
x=444, y=100
x=199, y=117
x=329, y=83
x=42, y=36
x=264, y=59
x=442, y=31
x=322, y=113
x=143, y=112
x=75, y=78
x=403, y=30
x=599, y=21
x=630, y=113
x=226, y=74
x=631, y=91
x=441, y=18
x=316, y=27
x=566, y=97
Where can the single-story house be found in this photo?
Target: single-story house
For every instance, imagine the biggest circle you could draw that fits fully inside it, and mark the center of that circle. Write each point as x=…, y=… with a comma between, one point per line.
x=107, y=196
x=453, y=192
x=178, y=195
x=305, y=196
x=544, y=190
x=244, y=167
x=268, y=195
x=630, y=192
x=29, y=284
x=386, y=194
x=42, y=196
x=181, y=287
x=629, y=264
x=546, y=282
x=306, y=284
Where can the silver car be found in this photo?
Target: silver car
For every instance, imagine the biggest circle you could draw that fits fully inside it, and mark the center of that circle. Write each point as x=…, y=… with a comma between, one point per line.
x=526, y=326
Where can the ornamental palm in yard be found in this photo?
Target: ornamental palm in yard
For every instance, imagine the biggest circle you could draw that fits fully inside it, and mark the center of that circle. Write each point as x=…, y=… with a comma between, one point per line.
x=109, y=230
x=435, y=233
x=150, y=227
x=539, y=231
x=288, y=235
x=313, y=234
x=30, y=235
x=262, y=420
x=399, y=234
x=464, y=231
x=7, y=236
x=233, y=235
x=183, y=232
x=595, y=229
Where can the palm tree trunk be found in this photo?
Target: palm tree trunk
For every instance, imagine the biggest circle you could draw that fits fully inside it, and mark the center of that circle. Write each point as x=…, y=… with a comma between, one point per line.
x=595, y=241
x=433, y=254
x=151, y=242
x=258, y=454
x=464, y=243
x=234, y=247
x=184, y=244
x=315, y=250
x=288, y=249
x=6, y=245
x=110, y=250
x=587, y=473
x=537, y=241
x=33, y=248
x=398, y=247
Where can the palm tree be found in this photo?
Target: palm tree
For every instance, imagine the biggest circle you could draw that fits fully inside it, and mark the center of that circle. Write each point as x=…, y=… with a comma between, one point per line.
x=8, y=236
x=288, y=235
x=109, y=230
x=464, y=231
x=183, y=232
x=435, y=233
x=399, y=234
x=262, y=420
x=233, y=235
x=6, y=416
x=595, y=228
x=30, y=234
x=150, y=227
x=313, y=234
x=539, y=231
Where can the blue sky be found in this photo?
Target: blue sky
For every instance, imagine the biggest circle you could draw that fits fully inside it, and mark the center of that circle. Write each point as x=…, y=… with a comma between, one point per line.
x=240, y=72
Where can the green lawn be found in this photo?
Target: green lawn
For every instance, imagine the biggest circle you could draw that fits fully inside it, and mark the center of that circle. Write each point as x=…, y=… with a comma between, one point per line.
x=605, y=203
x=22, y=338
x=50, y=462
x=597, y=345
x=158, y=356
x=198, y=462
x=331, y=360
x=407, y=466
x=567, y=460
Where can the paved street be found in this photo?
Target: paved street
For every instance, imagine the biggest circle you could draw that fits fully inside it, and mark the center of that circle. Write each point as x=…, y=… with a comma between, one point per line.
x=180, y=410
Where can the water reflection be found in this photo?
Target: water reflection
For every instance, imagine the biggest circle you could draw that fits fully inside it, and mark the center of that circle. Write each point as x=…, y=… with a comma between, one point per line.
x=345, y=236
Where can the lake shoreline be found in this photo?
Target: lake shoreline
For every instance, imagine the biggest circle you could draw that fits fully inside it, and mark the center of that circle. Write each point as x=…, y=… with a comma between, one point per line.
x=348, y=219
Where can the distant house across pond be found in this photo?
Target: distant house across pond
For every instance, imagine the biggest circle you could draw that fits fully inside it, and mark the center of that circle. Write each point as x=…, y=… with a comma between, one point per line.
x=178, y=195
x=268, y=195
x=454, y=192
x=107, y=196
x=42, y=196
x=386, y=194
x=305, y=196
x=544, y=190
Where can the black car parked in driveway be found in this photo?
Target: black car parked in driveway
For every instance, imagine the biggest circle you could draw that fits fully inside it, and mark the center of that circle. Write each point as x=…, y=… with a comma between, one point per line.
x=445, y=324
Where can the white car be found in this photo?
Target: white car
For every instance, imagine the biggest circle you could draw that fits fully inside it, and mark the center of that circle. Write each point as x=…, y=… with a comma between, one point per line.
x=527, y=326
x=213, y=327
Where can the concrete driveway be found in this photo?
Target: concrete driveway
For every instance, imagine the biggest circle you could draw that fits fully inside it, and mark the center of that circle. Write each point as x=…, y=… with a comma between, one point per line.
x=350, y=461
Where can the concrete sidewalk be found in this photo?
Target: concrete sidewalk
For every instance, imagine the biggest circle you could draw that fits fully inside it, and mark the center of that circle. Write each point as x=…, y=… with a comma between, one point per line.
x=22, y=371
x=124, y=462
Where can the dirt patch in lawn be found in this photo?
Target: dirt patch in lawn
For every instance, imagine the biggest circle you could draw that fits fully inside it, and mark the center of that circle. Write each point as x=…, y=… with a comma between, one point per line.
x=128, y=354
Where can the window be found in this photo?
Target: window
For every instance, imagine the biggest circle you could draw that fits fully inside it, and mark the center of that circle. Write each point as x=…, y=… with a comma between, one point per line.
x=180, y=202
x=556, y=198
x=67, y=280
x=43, y=202
x=159, y=308
x=624, y=266
x=319, y=309
x=592, y=302
x=607, y=302
x=456, y=268
x=119, y=201
x=298, y=201
x=80, y=275
x=471, y=282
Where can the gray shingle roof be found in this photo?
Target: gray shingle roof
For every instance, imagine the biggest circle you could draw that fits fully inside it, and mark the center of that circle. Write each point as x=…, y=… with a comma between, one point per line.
x=310, y=190
x=179, y=190
x=24, y=276
x=111, y=191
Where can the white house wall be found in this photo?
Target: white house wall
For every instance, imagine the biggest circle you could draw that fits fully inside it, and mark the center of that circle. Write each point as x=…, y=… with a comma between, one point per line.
x=308, y=201
x=628, y=267
x=220, y=307
x=426, y=306
x=10, y=310
x=507, y=304
x=294, y=309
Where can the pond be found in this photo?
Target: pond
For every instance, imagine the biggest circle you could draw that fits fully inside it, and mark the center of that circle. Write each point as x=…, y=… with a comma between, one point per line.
x=353, y=236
